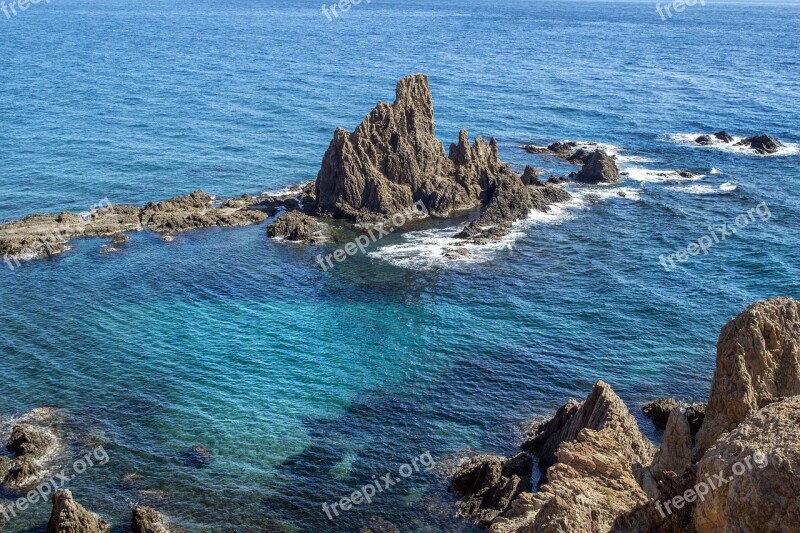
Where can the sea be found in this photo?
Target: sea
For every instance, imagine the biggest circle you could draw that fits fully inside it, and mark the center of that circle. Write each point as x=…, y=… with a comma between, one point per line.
x=305, y=384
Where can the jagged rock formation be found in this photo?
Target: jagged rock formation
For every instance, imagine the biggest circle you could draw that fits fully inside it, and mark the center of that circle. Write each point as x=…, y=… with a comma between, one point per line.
x=590, y=483
x=48, y=235
x=599, y=167
x=297, y=227
x=69, y=516
x=758, y=362
x=652, y=516
x=393, y=160
x=509, y=200
x=148, y=520
x=760, y=460
x=32, y=442
x=531, y=177
x=675, y=454
x=489, y=483
x=763, y=144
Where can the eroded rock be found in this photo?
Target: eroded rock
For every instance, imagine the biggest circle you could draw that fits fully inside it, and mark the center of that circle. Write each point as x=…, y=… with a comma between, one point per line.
x=68, y=516
x=659, y=410
x=148, y=520
x=763, y=144
x=297, y=227
x=758, y=362
x=599, y=167
x=760, y=461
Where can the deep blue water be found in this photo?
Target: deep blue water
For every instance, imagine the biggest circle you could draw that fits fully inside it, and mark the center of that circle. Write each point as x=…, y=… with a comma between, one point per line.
x=307, y=384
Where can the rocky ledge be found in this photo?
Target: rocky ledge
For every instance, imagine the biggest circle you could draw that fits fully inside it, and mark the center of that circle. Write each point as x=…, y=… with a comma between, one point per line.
x=47, y=235
x=762, y=144
x=601, y=474
x=33, y=443
x=597, y=166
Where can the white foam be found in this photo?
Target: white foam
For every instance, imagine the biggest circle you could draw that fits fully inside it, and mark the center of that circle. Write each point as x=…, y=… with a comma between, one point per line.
x=289, y=190
x=715, y=170
x=688, y=139
x=424, y=249
x=707, y=189
x=658, y=176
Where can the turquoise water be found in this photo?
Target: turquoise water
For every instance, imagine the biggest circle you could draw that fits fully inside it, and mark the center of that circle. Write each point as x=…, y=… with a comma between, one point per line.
x=306, y=384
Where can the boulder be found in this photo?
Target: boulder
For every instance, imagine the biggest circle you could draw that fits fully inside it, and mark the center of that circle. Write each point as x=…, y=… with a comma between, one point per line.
x=599, y=167
x=69, y=516
x=393, y=160
x=531, y=177
x=758, y=362
x=659, y=410
x=488, y=484
x=148, y=520
x=675, y=453
x=759, y=463
x=763, y=144
x=704, y=140
x=297, y=227
x=723, y=136
x=33, y=443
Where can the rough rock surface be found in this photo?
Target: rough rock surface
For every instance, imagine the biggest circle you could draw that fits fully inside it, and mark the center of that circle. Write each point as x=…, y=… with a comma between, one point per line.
x=509, y=200
x=297, y=227
x=69, y=516
x=675, y=453
x=651, y=517
x=592, y=481
x=48, y=235
x=724, y=136
x=549, y=435
x=659, y=410
x=599, y=167
x=148, y=520
x=32, y=442
x=764, y=496
x=488, y=484
x=393, y=159
x=531, y=177
x=758, y=362
x=763, y=144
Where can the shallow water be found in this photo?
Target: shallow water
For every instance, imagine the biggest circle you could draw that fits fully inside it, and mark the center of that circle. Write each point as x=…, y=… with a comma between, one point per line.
x=304, y=383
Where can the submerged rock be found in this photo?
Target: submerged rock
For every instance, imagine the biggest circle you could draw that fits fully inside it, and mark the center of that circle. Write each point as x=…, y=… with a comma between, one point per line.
x=758, y=357
x=599, y=167
x=198, y=457
x=69, y=516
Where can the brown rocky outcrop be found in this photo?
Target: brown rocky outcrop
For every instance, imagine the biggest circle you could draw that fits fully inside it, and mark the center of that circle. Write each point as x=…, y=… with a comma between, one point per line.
x=33, y=441
x=509, y=200
x=488, y=484
x=759, y=462
x=296, y=226
x=148, y=520
x=675, y=453
x=48, y=235
x=393, y=159
x=758, y=362
x=69, y=516
x=599, y=167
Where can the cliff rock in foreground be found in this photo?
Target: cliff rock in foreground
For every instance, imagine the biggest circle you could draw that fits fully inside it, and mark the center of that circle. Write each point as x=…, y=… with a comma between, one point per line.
x=69, y=516
x=758, y=362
